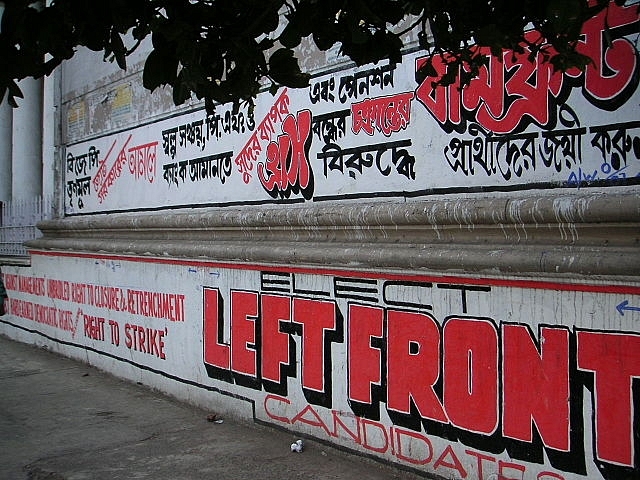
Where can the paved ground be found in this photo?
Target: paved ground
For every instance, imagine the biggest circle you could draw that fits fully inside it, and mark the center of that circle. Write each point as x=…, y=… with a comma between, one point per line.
x=61, y=419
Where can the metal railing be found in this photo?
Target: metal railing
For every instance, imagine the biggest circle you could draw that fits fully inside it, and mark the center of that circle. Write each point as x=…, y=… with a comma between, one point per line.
x=18, y=223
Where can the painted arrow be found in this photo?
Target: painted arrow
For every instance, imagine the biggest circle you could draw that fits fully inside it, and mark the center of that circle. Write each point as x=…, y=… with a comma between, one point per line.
x=625, y=306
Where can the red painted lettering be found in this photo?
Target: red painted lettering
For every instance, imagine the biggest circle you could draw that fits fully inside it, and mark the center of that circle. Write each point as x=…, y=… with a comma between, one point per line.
x=481, y=457
x=316, y=317
x=287, y=164
x=275, y=344
x=449, y=459
x=388, y=114
x=530, y=84
x=508, y=468
x=519, y=88
x=244, y=311
x=614, y=360
x=470, y=392
x=365, y=323
x=93, y=327
x=10, y=281
x=268, y=400
x=413, y=348
x=411, y=443
x=485, y=91
x=144, y=339
x=536, y=385
x=406, y=353
x=368, y=427
x=354, y=434
x=216, y=353
x=141, y=340
x=548, y=475
x=442, y=102
x=314, y=419
x=615, y=60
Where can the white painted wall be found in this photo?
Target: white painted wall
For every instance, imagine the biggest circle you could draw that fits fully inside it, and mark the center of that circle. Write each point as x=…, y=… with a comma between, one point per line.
x=473, y=354
x=482, y=375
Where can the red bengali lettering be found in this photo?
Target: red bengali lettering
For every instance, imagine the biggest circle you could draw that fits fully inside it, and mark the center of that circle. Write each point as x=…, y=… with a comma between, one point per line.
x=287, y=166
x=520, y=88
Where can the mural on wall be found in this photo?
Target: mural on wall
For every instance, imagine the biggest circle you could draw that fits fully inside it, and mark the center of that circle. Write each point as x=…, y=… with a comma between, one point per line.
x=461, y=377
x=374, y=132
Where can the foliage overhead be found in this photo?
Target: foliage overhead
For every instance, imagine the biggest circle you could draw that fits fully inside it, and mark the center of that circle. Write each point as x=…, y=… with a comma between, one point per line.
x=223, y=50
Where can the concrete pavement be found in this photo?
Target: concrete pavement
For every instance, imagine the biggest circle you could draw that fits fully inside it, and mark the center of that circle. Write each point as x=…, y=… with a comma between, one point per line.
x=63, y=420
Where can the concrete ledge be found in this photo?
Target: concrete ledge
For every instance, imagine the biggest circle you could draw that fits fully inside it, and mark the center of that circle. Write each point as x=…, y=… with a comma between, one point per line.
x=576, y=235
x=15, y=260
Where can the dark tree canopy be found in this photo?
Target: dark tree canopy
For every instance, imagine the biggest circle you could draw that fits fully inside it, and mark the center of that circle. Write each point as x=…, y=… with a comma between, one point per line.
x=223, y=50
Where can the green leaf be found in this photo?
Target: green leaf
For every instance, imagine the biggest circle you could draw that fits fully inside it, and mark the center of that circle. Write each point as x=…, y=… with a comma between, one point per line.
x=14, y=91
x=181, y=92
x=425, y=70
x=290, y=36
x=159, y=70
x=208, y=36
x=284, y=69
x=489, y=35
x=323, y=40
x=359, y=35
x=119, y=50
x=423, y=40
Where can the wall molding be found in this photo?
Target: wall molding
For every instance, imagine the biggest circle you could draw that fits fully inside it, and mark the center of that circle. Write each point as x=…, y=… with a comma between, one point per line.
x=578, y=234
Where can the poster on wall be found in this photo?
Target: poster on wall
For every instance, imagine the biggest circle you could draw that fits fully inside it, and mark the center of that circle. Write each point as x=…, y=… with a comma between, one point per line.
x=375, y=132
x=455, y=376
